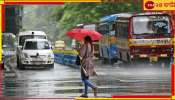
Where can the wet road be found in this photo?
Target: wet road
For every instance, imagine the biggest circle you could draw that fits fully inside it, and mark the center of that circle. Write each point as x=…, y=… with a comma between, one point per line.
x=65, y=81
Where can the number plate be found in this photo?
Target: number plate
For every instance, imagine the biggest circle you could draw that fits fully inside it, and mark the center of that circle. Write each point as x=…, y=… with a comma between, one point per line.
x=37, y=63
x=37, y=59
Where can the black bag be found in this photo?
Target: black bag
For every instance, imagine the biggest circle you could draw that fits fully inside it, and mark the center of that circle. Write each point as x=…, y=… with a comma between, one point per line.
x=78, y=60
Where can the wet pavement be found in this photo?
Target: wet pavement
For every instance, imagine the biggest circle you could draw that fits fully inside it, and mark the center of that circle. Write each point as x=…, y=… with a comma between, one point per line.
x=64, y=81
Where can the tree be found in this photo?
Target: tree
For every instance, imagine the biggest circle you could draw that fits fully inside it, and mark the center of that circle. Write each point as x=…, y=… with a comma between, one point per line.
x=69, y=15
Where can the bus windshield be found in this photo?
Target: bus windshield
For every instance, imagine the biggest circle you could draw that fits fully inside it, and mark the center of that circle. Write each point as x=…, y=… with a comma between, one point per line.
x=151, y=25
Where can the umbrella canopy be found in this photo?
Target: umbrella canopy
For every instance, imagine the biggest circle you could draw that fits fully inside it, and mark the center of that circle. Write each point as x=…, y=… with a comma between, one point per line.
x=79, y=34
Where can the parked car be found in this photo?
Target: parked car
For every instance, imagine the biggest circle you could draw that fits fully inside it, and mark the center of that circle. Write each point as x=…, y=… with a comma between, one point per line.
x=8, y=44
x=8, y=47
x=2, y=62
x=36, y=52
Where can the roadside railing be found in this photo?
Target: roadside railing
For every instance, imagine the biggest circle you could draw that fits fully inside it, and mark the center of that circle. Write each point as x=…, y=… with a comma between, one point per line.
x=66, y=57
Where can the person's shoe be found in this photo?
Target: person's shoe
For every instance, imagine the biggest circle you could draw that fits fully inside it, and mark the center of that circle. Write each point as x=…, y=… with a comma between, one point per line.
x=95, y=92
x=84, y=95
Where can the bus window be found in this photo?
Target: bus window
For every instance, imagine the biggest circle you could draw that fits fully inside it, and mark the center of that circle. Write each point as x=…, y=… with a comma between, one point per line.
x=103, y=28
x=122, y=29
x=112, y=29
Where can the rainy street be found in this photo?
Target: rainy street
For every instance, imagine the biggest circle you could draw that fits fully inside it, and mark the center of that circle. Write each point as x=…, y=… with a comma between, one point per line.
x=132, y=50
x=64, y=81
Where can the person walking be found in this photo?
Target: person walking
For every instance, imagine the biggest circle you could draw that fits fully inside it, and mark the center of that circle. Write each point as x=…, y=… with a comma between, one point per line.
x=87, y=66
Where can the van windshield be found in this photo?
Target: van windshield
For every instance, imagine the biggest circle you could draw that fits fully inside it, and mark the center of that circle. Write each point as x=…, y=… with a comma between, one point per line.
x=36, y=45
x=23, y=38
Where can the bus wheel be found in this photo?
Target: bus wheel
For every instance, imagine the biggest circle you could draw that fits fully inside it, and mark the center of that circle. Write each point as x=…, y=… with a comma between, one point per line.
x=128, y=59
x=104, y=61
x=120, y=55
x=114, y=60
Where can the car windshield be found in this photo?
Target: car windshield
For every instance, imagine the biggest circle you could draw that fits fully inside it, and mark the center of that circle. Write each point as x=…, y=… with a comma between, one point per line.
x=23, y=38
x=151, y=25
x=36, y=45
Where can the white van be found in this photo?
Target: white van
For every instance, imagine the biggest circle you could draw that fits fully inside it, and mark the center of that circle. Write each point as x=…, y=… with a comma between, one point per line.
x=36, y=52
x=22, y=36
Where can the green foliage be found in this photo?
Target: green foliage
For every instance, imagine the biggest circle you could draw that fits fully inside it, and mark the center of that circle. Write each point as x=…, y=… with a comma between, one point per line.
x=71, y=14
x=39, y=18
x=56, y=20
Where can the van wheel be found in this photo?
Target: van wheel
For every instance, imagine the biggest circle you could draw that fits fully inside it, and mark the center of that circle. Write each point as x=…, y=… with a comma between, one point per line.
x=18, y=65
x=22, y=67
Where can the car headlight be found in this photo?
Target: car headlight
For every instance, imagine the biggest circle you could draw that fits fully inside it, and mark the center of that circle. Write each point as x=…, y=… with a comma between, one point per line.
x=25, y=55
x=50, y=56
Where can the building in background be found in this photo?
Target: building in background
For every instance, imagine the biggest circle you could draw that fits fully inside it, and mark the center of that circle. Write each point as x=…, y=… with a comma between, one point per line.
x=13, y=18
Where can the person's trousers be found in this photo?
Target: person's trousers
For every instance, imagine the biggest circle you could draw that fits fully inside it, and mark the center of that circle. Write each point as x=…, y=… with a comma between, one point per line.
x=87, y=83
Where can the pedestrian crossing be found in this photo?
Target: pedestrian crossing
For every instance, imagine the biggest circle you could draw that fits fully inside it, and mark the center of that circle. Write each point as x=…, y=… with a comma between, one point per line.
x=63, y=81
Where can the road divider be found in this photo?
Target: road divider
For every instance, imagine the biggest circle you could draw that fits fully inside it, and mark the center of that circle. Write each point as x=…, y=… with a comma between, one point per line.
x=70, y=52
x=66, y=57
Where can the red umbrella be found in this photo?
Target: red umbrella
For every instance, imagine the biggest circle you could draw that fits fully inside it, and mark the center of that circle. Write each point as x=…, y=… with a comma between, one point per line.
x=79, y=34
